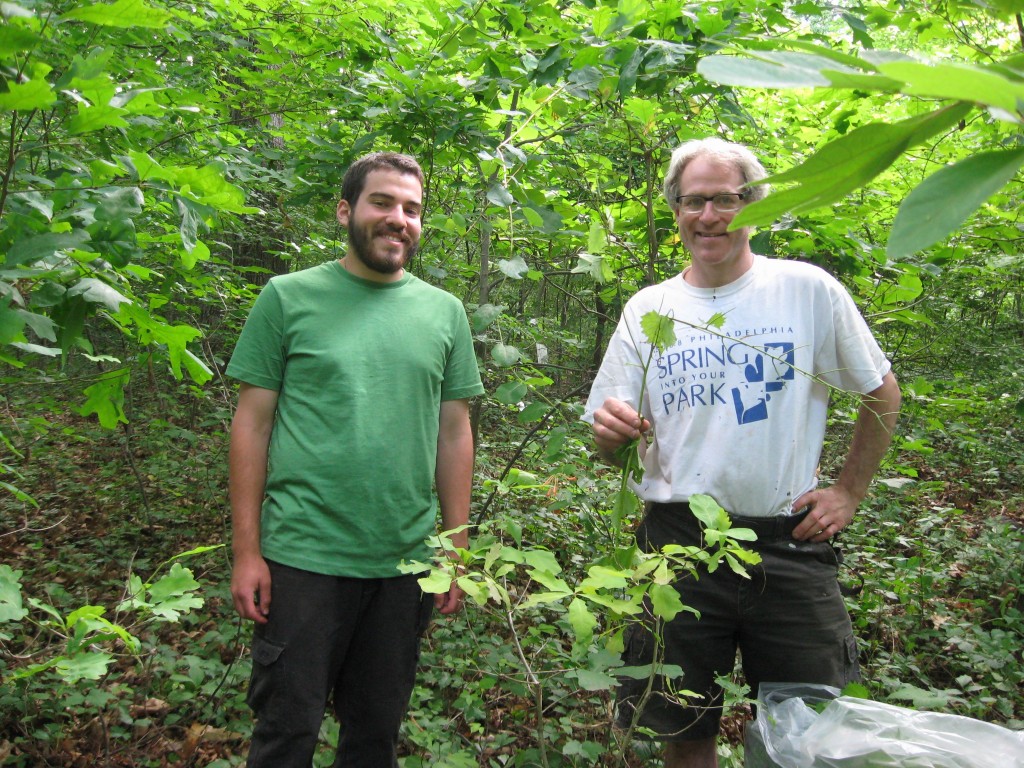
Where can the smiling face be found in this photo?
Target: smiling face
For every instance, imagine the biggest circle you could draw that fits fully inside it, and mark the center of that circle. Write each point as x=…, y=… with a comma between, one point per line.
x=719, y=256
x=383, y=226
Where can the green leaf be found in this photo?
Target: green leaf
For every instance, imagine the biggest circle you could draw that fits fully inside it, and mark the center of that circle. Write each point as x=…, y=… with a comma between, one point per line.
x=594, y=265
x=95, y=118
x=659, y=330
x=35, y=94
x=123, y=14
x=38, y=247
x=11, y=607
x=665, y=601
x=957, y=82
x=83, y=665
x=178, y=581
x=542, y=562
x=708, y=511
x=591, y=680
x=505, y=355
x=603, y=577
x=12, y=321
x=106, y=399
x=770, y=69
x=97, y=292
x=485, y=315
x=583, y=622
x=845, y=164
x=533, y=412
x=515, y=267
x=436, y=582
x=941, y=203
x=596, y=239
x=498, y=195
x=14, y=39
x=511, y=392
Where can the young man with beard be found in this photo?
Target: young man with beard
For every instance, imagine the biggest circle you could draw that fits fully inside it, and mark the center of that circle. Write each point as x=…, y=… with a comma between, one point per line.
x=355, y=379
x=736, y=409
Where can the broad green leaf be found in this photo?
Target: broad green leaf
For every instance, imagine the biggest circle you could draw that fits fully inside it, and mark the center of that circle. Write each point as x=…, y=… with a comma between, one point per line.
x=941, y=203
x=708, y=511
x=106, y=399
x=122, y=13
x=594, y=265
x=35, y=94
x=511, y=392
x=12, y=322
x=85, y=613
x=603, y=577
x=545, y=598
x=551, y=221
x=11, y=607
x=596, y=239
x=845, y=164
x=591, y=680
x=436, y=582
x=665, y=601
x=14, y=39
x=716, y=321
x=37, y=247
x=97, y=292
x=770, y=69
x=505, y=355
x=957, y=82
x=485, y=315
x=172, y=608
x=500, y=196
x=659, y=330
x=515, y=267
x=583, y=622
x=95, y=118
x=533, y=412
x=177, y=581
x=197, y=369
x=83, y=665
x=543, y=564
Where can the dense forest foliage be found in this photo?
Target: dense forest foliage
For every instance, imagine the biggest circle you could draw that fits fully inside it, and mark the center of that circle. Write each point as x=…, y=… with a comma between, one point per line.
x=162, y=159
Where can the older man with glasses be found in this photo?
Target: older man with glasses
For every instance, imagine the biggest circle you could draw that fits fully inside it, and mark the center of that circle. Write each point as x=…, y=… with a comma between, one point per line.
x=736, y=409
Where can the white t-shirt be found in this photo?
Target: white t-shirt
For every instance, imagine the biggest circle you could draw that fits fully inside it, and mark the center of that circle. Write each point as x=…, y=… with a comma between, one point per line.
x=739, y=403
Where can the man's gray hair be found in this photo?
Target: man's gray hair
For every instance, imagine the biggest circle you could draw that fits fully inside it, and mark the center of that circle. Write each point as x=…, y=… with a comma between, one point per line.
x=736, y=155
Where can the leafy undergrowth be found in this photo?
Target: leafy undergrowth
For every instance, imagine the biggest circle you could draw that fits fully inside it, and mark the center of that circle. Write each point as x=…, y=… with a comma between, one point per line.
x=937, y=552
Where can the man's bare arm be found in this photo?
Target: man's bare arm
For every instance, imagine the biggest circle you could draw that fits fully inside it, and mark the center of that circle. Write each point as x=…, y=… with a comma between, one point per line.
x=832, y=508
x=250, y=442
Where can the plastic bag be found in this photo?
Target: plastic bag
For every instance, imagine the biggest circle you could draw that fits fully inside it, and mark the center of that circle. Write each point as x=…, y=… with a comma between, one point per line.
x=812, y=726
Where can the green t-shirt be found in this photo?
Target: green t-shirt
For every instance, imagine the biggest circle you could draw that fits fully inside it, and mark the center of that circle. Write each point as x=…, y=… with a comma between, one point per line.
x=361, y=369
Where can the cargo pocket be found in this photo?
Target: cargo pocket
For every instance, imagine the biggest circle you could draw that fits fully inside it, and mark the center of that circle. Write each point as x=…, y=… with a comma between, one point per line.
x=851, y=667
x=265, y=654
x=426, y=614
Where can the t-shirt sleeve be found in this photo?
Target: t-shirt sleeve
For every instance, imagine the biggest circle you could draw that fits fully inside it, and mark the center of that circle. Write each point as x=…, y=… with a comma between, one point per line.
x=860, y=363
x=259, y=355
x=621, y=373
x=461, y=374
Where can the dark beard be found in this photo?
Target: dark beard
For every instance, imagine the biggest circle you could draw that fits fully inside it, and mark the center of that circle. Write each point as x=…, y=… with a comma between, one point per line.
x=361, y=244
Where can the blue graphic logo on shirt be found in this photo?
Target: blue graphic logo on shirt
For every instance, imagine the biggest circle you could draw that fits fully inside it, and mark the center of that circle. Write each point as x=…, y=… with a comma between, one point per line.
x=750, y=399
x=699, y=377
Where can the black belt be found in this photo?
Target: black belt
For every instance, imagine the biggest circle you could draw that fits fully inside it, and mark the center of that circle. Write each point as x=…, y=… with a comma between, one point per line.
x=775, y=527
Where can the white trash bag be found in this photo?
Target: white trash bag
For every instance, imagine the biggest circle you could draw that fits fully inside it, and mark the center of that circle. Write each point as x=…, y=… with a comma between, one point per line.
x=812, y=726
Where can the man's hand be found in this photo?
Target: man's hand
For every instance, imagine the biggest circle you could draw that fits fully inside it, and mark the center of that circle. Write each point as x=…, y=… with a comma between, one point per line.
x=451, y=601
x=250, y=588
x=615, y=424
x=832, y=509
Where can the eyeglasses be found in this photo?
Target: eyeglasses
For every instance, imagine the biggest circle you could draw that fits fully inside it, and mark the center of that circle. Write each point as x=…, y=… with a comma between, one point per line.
x=726, y=202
